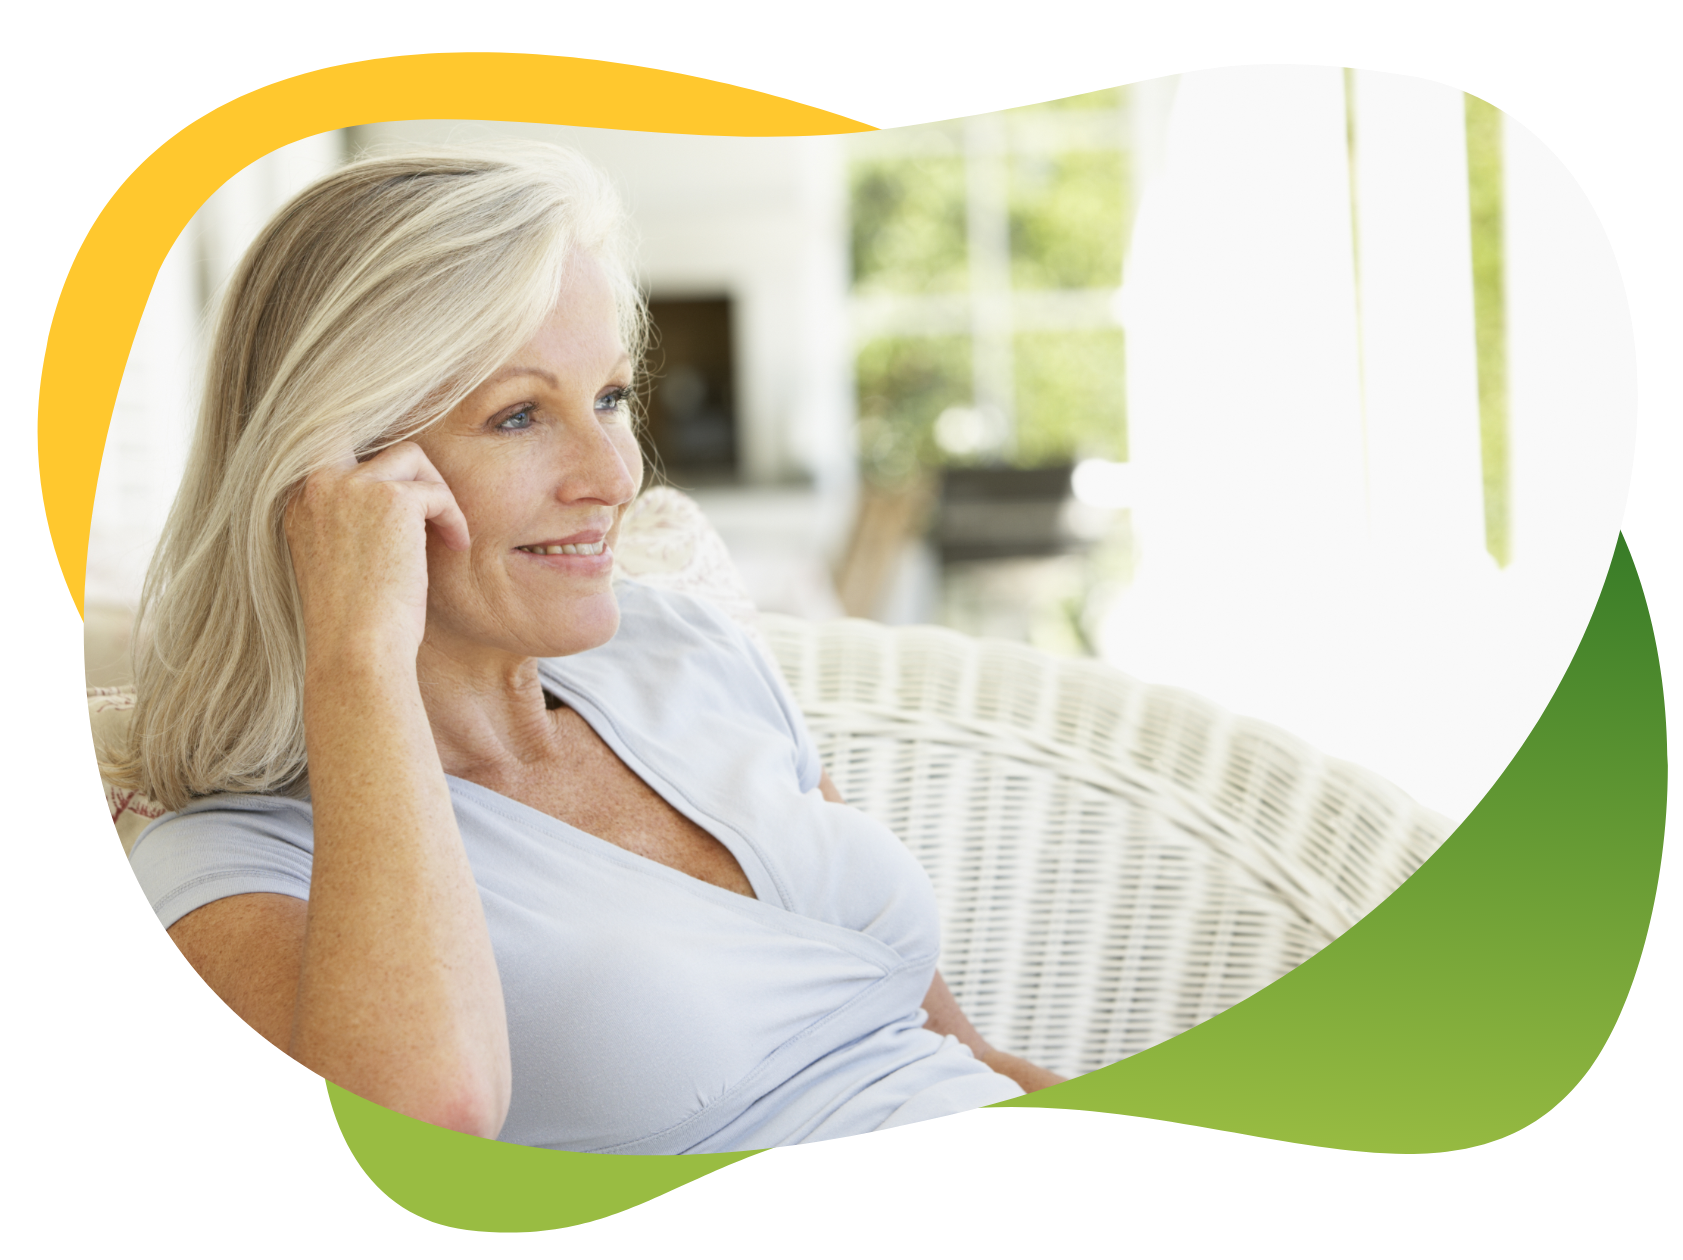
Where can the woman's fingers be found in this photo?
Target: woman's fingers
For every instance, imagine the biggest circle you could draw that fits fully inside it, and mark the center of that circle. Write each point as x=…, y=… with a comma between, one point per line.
x=445, y=516
x=406, y=461
x=357, y=531
x=401, y=461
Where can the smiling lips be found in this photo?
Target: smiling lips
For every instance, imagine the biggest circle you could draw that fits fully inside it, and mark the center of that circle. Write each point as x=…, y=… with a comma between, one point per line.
x=565, y=549
x=589, y=543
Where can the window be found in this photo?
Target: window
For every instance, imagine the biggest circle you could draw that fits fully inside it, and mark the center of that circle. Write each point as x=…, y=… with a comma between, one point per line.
x=987, y=257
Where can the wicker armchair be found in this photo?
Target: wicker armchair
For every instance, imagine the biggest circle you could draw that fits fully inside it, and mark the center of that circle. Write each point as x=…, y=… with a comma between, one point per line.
x=1114, y=862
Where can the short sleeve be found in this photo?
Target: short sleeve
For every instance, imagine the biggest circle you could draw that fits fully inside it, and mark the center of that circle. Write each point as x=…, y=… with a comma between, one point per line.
x=223, y=847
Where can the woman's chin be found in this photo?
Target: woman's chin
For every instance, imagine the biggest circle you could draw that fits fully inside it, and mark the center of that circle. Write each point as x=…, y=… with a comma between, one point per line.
x=579, y=624
x=524, y=623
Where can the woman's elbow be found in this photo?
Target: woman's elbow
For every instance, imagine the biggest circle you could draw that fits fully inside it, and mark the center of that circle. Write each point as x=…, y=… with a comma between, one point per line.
x=464, y=1100
x=477, y=1113
x=473, y=1105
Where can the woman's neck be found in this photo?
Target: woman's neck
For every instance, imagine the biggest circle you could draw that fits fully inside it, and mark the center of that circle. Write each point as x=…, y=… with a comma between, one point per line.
x=488, y=710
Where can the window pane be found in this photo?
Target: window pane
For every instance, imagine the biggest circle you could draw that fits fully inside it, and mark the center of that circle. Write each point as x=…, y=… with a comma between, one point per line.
x=1070, y=400
x=908, y=225
x=904, y=383
x=1067, y=220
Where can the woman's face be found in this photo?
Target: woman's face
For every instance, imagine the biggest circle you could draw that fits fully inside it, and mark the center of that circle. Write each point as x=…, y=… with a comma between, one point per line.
x=540, y=458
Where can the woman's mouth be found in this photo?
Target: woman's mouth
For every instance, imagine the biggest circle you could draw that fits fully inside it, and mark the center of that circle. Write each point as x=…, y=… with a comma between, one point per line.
x=565, y=549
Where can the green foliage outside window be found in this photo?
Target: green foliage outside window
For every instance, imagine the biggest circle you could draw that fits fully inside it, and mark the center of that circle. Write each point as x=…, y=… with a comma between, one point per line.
x=904, y=384
x=1070, y=396
x=1104, y=98
x=1067, y=217
x=1484, y=188
x=908, y=226
x=1066, y=207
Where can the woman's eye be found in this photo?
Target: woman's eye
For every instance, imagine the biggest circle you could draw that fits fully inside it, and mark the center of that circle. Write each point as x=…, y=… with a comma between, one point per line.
x=614, y=400
x=521, y=419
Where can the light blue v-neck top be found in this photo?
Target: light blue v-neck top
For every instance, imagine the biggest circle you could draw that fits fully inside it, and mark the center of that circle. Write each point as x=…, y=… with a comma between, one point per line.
x=650, y=1012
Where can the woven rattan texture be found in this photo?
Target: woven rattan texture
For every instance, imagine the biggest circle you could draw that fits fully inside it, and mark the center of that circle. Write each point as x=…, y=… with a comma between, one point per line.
x=1114, y=862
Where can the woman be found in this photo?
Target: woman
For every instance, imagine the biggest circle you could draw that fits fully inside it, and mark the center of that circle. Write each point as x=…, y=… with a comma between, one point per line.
x=459, y=824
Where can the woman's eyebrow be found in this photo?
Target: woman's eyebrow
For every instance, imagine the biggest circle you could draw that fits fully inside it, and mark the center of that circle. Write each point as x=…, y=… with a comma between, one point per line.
x=509, y=373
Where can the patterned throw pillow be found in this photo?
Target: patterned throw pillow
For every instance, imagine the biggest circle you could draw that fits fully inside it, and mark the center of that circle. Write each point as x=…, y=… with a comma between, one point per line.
x=666, y=542
x=108, y=712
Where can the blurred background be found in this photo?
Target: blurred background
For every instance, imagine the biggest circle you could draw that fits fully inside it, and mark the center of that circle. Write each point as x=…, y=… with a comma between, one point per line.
x=1305, y=389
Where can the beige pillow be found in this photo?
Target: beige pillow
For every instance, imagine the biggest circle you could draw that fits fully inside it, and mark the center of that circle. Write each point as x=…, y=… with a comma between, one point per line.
x=665, y=541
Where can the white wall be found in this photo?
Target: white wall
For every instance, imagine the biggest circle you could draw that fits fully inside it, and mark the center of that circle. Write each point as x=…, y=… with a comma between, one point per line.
x=1287, y=568
x=146, y=445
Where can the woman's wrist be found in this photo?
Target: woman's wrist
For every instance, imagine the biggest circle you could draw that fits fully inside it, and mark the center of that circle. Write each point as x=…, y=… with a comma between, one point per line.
x=359, y=661
x=340, y=645
x=364, y=712
x=1028, y=1075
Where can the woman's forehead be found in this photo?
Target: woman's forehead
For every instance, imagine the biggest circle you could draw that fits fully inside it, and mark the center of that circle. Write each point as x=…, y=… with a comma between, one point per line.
x=581, y=333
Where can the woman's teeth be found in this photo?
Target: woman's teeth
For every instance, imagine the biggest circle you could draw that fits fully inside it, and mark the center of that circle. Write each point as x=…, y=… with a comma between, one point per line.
x=568, y=549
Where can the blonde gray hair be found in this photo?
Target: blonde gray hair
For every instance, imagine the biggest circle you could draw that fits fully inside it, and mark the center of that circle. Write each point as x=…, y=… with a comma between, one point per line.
x=368, y=308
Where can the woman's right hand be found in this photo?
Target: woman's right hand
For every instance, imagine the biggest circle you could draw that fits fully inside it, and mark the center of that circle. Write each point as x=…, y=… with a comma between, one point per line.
x=385, y=981
x=357, y=535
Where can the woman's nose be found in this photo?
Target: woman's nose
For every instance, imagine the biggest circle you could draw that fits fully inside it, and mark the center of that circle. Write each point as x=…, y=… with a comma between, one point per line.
x=600, y=466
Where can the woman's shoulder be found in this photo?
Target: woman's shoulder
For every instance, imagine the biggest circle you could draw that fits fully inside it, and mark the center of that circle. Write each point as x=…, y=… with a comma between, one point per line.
x=230, y=814
x=221, y=846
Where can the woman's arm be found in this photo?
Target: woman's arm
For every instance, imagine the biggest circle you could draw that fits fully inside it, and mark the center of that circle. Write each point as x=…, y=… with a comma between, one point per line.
x=946, y=1018
x=385, y=982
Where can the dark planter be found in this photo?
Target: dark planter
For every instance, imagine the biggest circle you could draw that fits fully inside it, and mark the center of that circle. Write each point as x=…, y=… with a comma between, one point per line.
x=995, y=513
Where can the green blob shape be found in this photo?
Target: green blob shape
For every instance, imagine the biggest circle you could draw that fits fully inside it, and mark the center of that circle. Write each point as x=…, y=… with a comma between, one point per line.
x=1476, y=997
x=468, y=1182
